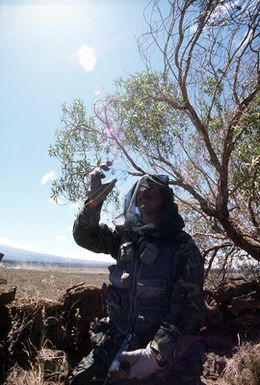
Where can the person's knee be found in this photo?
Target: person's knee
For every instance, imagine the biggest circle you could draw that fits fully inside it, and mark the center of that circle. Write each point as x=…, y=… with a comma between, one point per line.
x=77, y=378
x=81, y=374
x=89, y=371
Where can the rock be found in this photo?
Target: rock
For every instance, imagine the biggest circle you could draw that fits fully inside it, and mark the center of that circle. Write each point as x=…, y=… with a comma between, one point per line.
x=53, y=364
x=54, y=333
x=7, y=294
x=5, y=318
x=214, y=366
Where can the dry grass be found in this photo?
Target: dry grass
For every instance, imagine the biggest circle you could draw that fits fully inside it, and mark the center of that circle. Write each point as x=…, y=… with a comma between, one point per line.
x=49, y=367
x=19, y=376
x=49, y=282
x=243, y=368
x=36, y=375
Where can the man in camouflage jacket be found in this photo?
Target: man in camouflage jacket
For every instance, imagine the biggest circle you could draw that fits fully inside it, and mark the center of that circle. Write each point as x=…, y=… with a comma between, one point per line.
x=154, y=299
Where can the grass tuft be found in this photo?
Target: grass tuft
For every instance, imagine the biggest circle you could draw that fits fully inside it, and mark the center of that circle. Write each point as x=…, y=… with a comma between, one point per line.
x=243, y=368
x=49, y=368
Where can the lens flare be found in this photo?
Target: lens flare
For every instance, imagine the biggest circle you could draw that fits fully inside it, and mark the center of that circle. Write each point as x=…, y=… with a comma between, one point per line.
x=87, y=57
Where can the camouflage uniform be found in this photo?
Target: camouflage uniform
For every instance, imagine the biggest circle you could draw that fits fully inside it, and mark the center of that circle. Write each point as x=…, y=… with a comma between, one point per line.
x=155, y=294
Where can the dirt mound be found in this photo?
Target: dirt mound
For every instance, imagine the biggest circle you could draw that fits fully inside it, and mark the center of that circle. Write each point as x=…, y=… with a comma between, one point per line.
x=7, y=295
x=81, y=305
x=234, y=309
x=63, y=325
x=28, y=329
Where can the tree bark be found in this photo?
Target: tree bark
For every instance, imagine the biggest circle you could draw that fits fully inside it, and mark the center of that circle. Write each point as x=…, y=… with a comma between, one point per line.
x=239, y=236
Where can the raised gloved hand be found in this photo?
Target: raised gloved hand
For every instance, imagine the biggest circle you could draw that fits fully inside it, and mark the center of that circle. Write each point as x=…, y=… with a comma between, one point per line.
x=142, y=362
x=98, y=192
x=97, y=175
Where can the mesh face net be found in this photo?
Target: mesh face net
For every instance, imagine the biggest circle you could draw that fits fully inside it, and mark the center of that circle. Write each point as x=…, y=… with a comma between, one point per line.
x=131, y=214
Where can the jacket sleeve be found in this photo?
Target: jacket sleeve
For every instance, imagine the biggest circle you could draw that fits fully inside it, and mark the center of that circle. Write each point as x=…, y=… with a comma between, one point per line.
x=93, y=236
x=187, y=308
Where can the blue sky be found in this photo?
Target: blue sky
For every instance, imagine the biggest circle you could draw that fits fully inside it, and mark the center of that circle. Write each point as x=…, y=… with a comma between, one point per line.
x=52, y=52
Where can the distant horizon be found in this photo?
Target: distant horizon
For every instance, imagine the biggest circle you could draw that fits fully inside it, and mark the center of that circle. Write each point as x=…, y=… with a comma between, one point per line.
x=26, y=255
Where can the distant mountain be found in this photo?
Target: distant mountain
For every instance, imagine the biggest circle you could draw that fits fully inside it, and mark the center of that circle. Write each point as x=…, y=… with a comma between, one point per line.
x=20, y=256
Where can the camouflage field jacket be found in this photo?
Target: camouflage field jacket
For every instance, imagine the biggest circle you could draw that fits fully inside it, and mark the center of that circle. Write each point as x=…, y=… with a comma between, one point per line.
x=156, y=283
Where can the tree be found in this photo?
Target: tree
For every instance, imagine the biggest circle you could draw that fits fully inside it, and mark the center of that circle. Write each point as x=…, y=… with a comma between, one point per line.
x=195, y=117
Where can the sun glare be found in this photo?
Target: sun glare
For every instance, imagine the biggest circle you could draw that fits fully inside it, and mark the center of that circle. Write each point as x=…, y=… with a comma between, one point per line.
x=87, y=57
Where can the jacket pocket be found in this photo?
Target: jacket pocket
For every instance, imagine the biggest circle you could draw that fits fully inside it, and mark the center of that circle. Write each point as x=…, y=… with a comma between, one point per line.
x=117, y=300
x=150, y=254
x=127, y=252
x=119, y=277
x=151, y=288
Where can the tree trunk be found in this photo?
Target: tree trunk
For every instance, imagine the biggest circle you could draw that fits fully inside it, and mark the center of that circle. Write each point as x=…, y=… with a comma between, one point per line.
x=239, y=236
